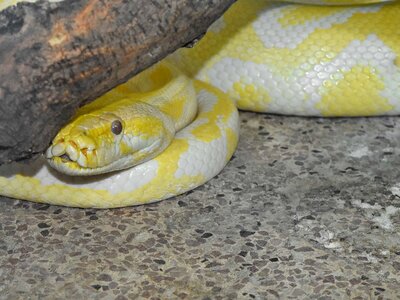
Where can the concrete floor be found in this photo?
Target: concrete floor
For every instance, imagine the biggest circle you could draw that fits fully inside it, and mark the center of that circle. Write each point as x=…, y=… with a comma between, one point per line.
x=306, y=209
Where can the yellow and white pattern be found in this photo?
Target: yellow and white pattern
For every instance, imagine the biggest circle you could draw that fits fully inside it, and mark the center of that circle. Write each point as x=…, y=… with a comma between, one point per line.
x=318, y=59
x=302, y=59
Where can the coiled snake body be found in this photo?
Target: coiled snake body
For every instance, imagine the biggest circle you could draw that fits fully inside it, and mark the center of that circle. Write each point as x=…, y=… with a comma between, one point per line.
x=178, y=122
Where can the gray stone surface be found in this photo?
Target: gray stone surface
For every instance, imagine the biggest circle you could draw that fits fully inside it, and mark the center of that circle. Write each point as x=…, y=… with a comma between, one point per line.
x=307, y=208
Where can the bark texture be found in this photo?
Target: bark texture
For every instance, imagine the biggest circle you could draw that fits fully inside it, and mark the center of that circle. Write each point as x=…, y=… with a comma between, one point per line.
x=55, y=57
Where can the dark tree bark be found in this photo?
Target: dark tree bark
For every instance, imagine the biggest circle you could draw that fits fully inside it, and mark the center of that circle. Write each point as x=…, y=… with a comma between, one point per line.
x=55, y=57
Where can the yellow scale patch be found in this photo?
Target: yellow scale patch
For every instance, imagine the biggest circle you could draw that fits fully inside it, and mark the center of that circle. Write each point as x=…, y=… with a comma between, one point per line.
x=221, y=112
x=301, y=15
x=250, y=97
x=365, y=98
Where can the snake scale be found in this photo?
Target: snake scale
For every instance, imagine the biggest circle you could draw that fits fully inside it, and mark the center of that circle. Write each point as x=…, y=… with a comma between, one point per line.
x=178, y=120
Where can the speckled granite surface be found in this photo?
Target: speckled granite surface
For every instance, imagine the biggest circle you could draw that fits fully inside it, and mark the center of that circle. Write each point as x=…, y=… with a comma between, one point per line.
x=307, y=208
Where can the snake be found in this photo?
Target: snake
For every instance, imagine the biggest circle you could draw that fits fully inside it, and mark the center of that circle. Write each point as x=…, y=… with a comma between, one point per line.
x=175, y=126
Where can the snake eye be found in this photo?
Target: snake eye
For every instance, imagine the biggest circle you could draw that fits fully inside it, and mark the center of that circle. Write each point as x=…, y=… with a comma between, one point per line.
x=116, y=127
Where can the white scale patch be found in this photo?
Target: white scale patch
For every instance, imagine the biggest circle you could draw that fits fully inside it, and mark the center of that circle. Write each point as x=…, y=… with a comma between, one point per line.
x=205, y=158
x=201, y=157
x=285, y=93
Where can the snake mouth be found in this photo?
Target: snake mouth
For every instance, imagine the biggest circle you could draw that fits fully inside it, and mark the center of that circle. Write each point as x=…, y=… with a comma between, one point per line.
x=65, y=158
x=70, y=152
x=64, y=164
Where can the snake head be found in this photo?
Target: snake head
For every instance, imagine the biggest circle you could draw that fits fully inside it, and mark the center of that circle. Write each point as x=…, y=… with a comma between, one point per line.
x=112, y=138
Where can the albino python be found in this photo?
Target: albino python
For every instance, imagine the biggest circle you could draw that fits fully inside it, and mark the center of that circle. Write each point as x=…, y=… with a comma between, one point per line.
x=178, y=122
